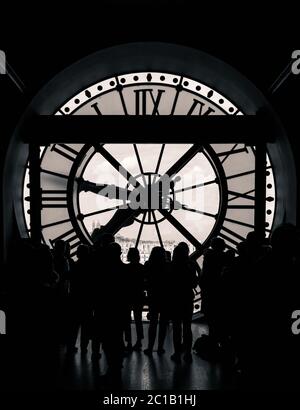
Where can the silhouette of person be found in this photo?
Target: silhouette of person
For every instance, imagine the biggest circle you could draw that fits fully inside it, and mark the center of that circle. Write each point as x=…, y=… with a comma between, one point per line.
x=168, y=256
x=113, y=302
x=257, y=248
x=61, y=264
x=62, y=267
x=192, y=262
x=81, y=307
x=272, y=294
x=157, y=281
x=213, y=264
x=182, y=285
x=135, y=278
x=71, y=262
x=230, y=279
x=98, y=260
x=33, y=314
x=229, y=258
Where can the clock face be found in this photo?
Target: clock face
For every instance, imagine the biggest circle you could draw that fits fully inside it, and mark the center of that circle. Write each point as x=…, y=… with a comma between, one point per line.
x=213, y=189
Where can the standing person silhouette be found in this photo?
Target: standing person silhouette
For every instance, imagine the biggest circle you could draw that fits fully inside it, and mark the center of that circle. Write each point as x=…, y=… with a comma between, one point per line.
x=113, y=302
x=135, y=278
x=213, y=265
x=80, y=301
x=98, y=258
x=182, y=285
x=157, y=280
x=272, y=286
x=62, y=267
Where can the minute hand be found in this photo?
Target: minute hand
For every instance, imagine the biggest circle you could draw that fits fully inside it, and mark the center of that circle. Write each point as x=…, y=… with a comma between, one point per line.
x=107, y=190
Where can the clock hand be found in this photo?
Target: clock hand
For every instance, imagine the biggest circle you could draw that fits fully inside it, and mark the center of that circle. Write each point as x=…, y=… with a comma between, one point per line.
x=120, y=219
x=107, y=190
x=125, y=217
x=114, y=192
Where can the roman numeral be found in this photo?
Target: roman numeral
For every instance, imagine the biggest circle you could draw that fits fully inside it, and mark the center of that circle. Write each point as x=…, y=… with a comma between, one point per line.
x=245, y=195
x=143, y=97
x=54, y=198
x=241, y=223
x=60, y=222
x=70, y=237
x=199, y=105
x=241, y=174
x=119, y=88
x=240, y=206
x=236, y=237
x=65, y=151
x=175, y=102
x=55, y=174
x=232, y=151
x=96, y=108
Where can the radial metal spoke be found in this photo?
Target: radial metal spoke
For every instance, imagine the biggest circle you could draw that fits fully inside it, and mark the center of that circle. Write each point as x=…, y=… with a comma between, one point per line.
x=182, y=161
x=115, y=163
x=181, y=228
x=157, y=229
x=186, y=208
x=160, y=158
x=140, y=230
x=140, y=163
x=102, y=211
x=212, y=181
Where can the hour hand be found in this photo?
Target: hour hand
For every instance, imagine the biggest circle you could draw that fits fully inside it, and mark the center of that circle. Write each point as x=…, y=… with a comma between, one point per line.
x=87, y=186
x=107, y=190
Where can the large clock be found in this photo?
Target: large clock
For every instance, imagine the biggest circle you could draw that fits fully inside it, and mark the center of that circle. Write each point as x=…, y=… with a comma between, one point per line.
x=215, y=185
x=210, y=173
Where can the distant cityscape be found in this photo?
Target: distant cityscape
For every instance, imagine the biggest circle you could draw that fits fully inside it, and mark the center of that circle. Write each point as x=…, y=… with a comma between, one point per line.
x=144, y=246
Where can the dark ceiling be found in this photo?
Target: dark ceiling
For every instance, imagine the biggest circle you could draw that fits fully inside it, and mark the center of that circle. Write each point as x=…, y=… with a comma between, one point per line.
x=40, y=43
x=259, y=45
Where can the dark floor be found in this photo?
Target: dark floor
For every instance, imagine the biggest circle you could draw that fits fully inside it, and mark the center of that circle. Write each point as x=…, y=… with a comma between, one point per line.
x=143, y=373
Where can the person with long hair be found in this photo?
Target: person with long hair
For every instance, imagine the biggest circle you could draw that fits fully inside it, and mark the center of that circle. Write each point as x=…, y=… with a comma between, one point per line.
x=135, y=278
x=182, y=285
x=157, y=281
